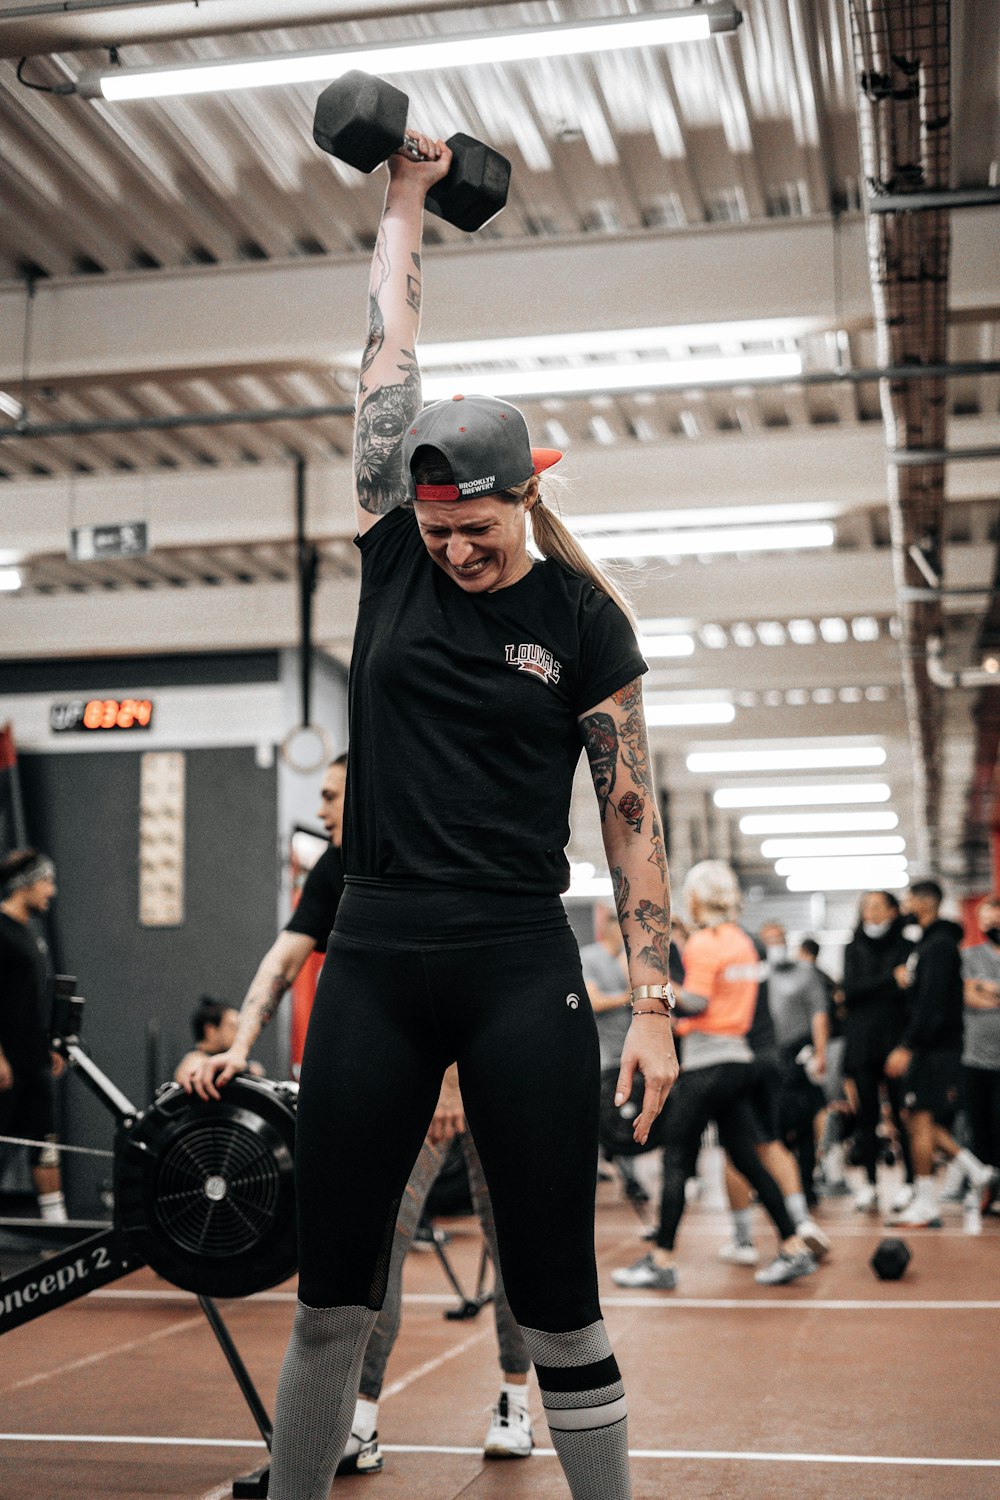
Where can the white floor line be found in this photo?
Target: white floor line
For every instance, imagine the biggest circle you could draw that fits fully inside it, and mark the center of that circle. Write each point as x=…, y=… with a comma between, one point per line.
x=93, y=1359
x=445, y=1299
x=697, y=1455
x=412, y=1376
x=747, y=1304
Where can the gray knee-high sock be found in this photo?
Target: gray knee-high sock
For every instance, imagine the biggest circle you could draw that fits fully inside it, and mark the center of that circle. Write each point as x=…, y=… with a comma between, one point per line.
x=316, y=1395
x=584, y=1402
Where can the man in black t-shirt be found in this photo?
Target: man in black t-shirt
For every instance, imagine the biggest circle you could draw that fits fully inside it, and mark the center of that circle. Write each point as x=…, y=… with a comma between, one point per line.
x=27, y=1066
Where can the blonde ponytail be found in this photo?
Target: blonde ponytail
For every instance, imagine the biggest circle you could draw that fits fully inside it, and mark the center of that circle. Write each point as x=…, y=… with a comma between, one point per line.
x=554, y=539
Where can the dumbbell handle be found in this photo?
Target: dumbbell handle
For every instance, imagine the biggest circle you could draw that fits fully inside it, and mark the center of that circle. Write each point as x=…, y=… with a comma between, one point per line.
x=411, y=150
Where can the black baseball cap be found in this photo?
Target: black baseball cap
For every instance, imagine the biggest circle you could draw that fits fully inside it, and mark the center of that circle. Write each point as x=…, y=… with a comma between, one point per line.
x=485, y=441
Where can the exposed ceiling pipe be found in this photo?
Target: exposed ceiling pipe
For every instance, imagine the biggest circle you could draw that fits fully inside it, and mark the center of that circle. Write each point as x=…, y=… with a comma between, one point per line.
x=965, y=677
x=255, y=416
x=902, y=56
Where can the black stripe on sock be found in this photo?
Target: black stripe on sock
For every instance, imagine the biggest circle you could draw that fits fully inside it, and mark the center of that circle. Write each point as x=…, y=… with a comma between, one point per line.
x=578, y=1377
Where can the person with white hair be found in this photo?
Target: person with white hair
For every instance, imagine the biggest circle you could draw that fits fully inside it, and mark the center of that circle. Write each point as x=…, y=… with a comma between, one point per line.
x=717, y=1003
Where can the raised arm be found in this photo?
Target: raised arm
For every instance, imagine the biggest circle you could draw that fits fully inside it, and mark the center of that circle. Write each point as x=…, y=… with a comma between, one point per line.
x=614, y=737
x=389, y=387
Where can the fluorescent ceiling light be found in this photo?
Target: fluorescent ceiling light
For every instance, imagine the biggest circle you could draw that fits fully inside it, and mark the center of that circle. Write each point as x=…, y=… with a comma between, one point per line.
x=892, y=843
x=634, y=375
x=701, y=517
x=870, y=870
x=659, y=715
x=10, y=580
x=11, y=407
x=617, y=341
x=666, y=645
x=827, y=822
x=419, y=56
x=785, y=760
x=702, y=543
x=849, y=880
x=800, y=796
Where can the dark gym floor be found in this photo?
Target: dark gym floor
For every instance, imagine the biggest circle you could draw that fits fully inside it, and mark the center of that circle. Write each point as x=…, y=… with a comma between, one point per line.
x=840, y=1386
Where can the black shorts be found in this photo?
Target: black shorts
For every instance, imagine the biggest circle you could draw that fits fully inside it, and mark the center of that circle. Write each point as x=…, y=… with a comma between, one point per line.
x=932, y=1084
x=28, y=1110
x=765, y=1097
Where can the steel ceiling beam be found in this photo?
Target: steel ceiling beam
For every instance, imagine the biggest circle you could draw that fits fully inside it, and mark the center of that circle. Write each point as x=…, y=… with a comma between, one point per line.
x=258, y=415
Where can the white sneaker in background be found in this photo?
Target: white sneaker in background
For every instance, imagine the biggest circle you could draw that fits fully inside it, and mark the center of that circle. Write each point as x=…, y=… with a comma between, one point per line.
x=972, y=1214
x=902, y=1198
x=509, y=1435
x=866, y=1199
x=813, y=1238
x=739, y=1255
x=953, y=1186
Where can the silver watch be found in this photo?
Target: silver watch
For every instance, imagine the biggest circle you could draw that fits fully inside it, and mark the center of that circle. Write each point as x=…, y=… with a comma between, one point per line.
x=664, y=992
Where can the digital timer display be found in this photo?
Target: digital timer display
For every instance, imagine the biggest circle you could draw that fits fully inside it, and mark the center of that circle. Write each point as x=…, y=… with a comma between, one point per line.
x=95, y=714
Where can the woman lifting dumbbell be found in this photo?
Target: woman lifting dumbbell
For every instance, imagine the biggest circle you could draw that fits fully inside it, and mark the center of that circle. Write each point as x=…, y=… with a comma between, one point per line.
x=476, y=678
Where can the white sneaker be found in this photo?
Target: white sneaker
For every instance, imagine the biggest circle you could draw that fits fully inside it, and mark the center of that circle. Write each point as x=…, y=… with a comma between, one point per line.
x=739, y=1255
x=813, y=1238
x=920, y=1215
x=982, y=1177
x=866, y=1198
x=361, y=1456
x=510, y=1431
x=902, y=1198
x=953, y=1187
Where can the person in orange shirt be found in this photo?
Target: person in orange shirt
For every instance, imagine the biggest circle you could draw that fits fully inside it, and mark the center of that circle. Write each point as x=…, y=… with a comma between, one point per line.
x=716, y=1004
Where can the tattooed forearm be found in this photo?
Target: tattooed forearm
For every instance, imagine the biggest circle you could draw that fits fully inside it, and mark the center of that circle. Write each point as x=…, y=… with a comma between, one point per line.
x=262, y=1001
x=413, y=286
x=622, y=891
x=381, y=268
x=376, y=338
x=383, y=416
x=600, y=740
x=654, y=920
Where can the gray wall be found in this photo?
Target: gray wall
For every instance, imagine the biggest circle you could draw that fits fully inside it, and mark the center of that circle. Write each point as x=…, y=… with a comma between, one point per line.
x=84, y=810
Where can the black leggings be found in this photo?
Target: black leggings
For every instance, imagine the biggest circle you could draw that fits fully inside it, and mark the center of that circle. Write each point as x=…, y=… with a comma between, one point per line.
x=721, y=1094
x=385, y=1025
x=869, y=1082
x=981, y=1094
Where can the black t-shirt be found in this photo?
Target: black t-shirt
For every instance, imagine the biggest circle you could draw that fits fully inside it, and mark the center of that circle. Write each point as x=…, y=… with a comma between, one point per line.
x=317, y=908
x=24, y=996
x=463, y=717
x=760, y=1037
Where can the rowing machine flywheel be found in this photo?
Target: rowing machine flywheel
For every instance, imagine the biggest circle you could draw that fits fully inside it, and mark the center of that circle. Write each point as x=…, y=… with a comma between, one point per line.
x=204, y=1191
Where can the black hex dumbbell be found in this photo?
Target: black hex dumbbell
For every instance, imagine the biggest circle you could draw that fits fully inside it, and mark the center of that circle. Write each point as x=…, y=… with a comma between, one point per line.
x=890, y=1259
x=362, y=120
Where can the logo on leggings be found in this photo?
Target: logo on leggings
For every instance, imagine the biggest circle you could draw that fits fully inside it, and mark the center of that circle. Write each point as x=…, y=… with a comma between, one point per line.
x=573, y=1001
x=534, y=659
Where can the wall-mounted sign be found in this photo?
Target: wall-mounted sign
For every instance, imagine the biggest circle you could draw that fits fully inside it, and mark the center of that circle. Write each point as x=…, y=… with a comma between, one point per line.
x=161, y=838
x=93, y=543
x=96, y=714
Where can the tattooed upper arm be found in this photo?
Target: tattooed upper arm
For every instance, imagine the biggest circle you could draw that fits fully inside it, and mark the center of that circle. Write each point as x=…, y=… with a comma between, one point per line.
x=383, y=416
x=614, y=737
x=389, y=394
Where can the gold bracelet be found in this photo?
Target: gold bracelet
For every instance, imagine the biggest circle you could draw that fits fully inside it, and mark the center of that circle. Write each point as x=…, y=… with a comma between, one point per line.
x=663, y=1014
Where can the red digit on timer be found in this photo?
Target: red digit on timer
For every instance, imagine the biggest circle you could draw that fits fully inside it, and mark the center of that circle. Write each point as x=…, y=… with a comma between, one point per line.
x=144, y=711
x=93, y=713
